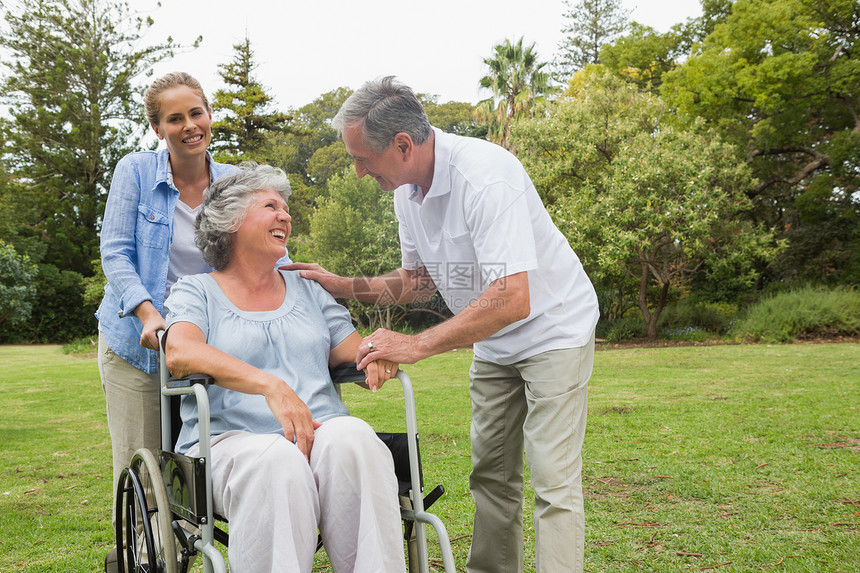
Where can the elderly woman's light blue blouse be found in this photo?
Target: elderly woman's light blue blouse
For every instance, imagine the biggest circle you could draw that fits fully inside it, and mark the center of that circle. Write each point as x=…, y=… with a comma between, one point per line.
x=292, y=342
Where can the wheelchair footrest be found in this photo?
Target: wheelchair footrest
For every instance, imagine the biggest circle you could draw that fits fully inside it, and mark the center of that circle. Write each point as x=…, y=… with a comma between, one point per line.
x=434, y=495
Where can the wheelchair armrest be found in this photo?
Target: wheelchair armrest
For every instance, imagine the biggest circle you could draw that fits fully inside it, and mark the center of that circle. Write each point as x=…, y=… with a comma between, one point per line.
x=346, y=373
x=190, y=380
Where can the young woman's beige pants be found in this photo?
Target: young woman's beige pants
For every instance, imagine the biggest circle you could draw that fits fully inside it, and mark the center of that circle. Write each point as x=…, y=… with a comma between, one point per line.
x=133, y=404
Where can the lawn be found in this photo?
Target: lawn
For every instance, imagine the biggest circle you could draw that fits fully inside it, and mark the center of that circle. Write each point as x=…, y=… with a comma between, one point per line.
x=724, y=458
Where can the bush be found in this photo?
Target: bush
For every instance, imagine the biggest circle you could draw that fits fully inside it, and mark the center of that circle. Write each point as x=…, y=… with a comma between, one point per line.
x=59, y=312
x=86, y=347
x=811, y=312
x=94, y=286
x=620, y=329
x=17, y=289
x=690, y=315
x=354, y=233
x=687, y=333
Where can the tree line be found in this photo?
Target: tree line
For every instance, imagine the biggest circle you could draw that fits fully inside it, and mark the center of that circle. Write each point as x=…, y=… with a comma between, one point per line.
x=713, y=163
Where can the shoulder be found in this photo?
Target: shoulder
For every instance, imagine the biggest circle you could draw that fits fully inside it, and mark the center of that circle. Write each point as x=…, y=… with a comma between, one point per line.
x=293, y=280
x=144, y=155
x=192, y=285
x=136, y=172
x=222, y=169
x=480, y=163
x=309, y=293
x=188, y=297
x=469, y=148
x=480, y=167
x=138, y=161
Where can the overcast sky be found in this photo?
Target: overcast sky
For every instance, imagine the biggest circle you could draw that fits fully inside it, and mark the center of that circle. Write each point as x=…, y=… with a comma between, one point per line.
x=304, y=49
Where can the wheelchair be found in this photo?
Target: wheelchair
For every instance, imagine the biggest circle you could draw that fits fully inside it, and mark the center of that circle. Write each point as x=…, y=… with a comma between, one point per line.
x=164, y=499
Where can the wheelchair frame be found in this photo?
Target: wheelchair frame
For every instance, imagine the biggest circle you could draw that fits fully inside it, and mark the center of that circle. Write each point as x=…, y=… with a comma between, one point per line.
x=191, y=491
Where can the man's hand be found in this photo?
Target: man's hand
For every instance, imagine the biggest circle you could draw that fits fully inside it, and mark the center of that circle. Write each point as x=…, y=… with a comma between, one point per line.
x=337, y=286
x=385, y=345
x=397, y=287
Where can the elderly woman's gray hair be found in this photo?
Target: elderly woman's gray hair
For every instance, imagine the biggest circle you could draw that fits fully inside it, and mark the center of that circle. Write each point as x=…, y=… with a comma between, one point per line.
x=225, y=205
x=384, y=107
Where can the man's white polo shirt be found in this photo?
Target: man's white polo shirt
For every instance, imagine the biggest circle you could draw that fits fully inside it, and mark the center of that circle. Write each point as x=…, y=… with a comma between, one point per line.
x=481, y=220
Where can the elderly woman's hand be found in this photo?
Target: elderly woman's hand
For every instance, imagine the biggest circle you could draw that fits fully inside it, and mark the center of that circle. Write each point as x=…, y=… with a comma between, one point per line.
x=378, y=371
x=293, y=415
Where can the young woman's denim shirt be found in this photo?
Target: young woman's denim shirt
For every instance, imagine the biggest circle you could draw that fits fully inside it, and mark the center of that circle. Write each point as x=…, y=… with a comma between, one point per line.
x=135, y=248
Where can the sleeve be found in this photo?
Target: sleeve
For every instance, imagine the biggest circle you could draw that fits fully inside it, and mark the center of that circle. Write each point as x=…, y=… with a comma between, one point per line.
x=118, y=244
x=336, y=316
x=500, y=223
x=410, y=258
x=188, y=303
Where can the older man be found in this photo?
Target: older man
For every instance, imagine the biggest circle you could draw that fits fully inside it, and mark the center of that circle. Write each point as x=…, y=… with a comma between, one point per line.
x=473, y=227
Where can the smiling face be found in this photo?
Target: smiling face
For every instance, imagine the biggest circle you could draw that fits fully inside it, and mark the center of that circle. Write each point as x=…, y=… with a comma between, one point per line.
x=386, y=167
x=266, y=227
x=185, y=122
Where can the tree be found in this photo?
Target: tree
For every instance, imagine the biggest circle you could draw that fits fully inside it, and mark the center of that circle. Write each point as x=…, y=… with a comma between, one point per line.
x=241, y=133
x=310, y=152
x=643, y=55
x=518, y=80
x=646, y=205
x=72, y=114
x=781, y=79
x=17, y=289
x=354, y=233
x=590, y=25
x=309, y=130
x=453, y=116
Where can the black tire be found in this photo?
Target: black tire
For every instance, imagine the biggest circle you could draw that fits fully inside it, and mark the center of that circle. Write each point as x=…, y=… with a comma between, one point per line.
x=143, y=527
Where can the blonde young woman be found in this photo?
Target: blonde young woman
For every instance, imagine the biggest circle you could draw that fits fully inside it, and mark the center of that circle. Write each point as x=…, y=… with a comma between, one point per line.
x=147, y=243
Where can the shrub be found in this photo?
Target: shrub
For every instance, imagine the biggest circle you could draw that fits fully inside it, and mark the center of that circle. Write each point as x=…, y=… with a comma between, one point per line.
x=17, y=289
x=59, y=312
x=85, y=347
x=620, y=329
x=94, y=286
x=687, y=333
x=801, y=314
x=689, y=315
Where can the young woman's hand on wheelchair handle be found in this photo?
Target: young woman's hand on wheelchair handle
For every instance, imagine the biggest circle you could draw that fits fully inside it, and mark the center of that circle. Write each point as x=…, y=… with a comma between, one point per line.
x=152, y=322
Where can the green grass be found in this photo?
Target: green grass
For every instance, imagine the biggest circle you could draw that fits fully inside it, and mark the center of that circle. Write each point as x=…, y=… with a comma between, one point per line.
x=726, y=458
x=55, y=470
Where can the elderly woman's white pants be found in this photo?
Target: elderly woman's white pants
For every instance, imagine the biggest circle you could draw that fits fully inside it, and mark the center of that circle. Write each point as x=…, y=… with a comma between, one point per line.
x=277, y=502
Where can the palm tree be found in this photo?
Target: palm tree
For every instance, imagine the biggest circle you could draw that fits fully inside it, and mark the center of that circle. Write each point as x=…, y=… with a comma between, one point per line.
x=517, y=79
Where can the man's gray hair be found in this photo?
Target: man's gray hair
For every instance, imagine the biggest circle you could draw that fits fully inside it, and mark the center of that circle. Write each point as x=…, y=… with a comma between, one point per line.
x=225, y=205
x=384, y=107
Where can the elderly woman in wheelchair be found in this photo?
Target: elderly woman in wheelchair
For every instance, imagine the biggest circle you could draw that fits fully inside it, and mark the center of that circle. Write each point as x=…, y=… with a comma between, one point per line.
x=287, y=459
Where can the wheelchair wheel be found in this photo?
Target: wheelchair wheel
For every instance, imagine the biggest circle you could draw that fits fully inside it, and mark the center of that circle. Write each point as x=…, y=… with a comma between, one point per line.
x=144, y=518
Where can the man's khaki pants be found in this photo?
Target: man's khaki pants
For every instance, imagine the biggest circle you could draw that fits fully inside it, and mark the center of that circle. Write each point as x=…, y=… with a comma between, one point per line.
x=539, y=406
